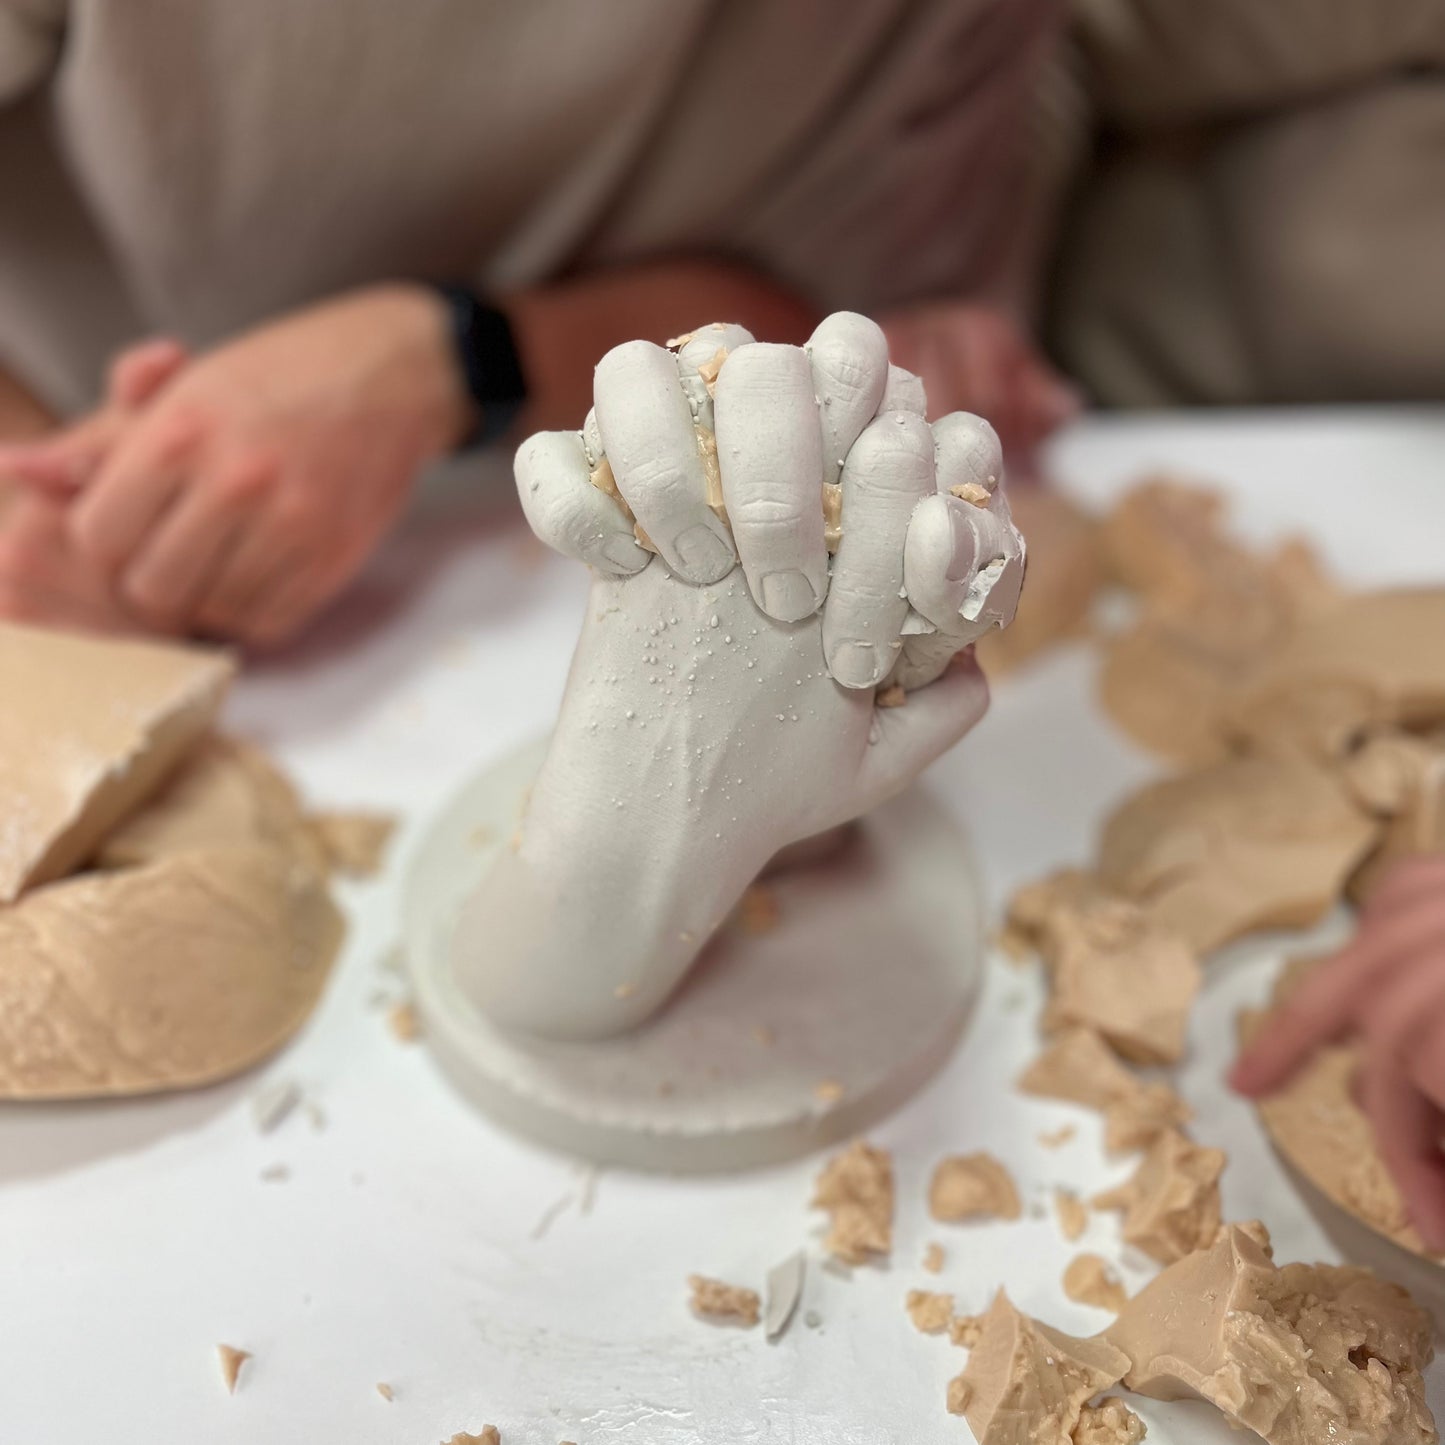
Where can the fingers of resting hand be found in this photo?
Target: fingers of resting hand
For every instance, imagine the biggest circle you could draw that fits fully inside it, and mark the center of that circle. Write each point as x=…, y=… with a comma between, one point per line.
x=252, y=572
x=135, y=484
x=1329, y=1001
x=1409, y=881
x=770, y=451
x=1408, y=1122
x=141, y=370
x=63, y=463
x=167, y=579
x=647, y=431
x=930, y=722
x=849, y=356
x=888, y=472
x=567, y=512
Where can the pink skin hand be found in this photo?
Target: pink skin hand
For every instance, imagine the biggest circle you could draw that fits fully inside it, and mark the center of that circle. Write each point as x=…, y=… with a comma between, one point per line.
x=255, y=483
x=977, y=358
x=1388, y=985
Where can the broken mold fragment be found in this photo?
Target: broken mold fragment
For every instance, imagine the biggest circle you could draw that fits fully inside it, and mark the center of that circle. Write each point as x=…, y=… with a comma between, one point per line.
x=1299, y=1354
x=972, y=1186
x=168, y=975
x=89, y=729
x=1028, y=1384
x=1248, y=843
x=856, y=1188
x=1171, y=1202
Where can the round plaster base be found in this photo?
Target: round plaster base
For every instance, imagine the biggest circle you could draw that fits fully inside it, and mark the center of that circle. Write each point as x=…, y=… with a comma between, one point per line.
x=779, y=1042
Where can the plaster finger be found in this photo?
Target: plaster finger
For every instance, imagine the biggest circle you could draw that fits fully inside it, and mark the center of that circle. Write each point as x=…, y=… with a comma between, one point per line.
x=933, y=719
x=962, y=567
x=770, y=450
x=888, y=473
x=849, y=356
x=903, y=391
x=568, y=511
x=700, y=356
x=969, y=455
x=647, y=432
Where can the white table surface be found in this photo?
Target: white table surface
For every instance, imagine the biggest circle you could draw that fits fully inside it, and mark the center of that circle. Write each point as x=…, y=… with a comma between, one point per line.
x=413, y=1243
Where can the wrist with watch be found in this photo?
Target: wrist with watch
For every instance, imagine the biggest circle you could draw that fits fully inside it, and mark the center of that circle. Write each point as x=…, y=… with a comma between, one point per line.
x=488, y=362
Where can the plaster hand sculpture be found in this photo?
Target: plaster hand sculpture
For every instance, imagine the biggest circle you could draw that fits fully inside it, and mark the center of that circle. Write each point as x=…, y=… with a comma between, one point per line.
x=717, y=712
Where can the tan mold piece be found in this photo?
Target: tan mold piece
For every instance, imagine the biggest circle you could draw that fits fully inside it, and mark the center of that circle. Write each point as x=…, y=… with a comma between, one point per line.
x=165, y=976
x=711, y=1299
x=1057, y=1138
x=1171, y=1202
x=1030, y=914
x=1137, y=1119
x=1027, y=1384
x=934, y=1257
x=488, y=1435
x=90, y=728
x=1249, y=843
x=1115, y=971
x=231, y=1359
x=1065, y=573
x=1400, y=778
x=1317, y=1124
x=1209, y=608
x=960, y=1392
x=1110, y=1422
x=856, y=1188
x=931, y=1313
x=972, y=1186
x=1299, y=1354
x=964, y=1330
x=226, y=793
x=1072, y=1213
x=1080, y=1068
x=354, y=843
x=386, y=1391
x=1088, y=1280
x=1373, y=663
x=1167, y=690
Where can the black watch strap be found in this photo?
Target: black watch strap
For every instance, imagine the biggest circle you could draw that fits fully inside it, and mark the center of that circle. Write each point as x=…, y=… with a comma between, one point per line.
x=487, y=358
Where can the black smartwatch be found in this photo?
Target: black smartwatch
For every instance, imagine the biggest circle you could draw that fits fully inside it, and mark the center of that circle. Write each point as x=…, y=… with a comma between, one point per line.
x=490, y=367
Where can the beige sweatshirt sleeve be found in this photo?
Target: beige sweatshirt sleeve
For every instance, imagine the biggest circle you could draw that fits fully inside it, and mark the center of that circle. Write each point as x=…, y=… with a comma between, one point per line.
x=1165, y=62
x=30, y=35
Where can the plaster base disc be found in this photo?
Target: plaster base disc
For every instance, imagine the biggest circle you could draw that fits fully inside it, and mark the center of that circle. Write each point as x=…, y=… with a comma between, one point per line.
x=779, y=1042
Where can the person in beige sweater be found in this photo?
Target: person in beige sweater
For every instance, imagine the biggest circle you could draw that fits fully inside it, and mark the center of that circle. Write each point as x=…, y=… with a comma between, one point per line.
x=270, y=189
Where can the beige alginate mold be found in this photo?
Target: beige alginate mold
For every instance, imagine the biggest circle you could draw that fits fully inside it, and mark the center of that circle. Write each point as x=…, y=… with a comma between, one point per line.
x=89, y=728
x=168, y=975
x=1248, y=843
x=717, y=712
x=1171, y=1202
x=1300, y=1354
x=1028, y=1384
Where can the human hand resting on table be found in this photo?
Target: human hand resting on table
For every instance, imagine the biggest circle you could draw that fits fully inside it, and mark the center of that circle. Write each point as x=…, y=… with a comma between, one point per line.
x=979, y=358
x=44, y=577
x=236, y=493
x=1387, y=985
x=715, y=713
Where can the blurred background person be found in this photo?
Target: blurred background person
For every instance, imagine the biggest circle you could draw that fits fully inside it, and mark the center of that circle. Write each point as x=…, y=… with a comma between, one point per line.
x=1259, y=204
x=274, y=190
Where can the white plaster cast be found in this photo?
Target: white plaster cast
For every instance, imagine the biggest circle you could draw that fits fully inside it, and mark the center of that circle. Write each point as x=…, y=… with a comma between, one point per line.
x=699, y=734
